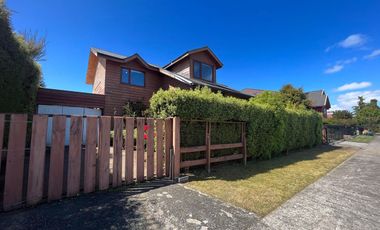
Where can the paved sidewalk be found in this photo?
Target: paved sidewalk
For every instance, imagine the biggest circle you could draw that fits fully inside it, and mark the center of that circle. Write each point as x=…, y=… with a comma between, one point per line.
x=347, y=198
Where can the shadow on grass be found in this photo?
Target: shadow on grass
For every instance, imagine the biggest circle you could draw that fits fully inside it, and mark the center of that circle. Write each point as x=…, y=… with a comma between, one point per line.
x=236, y=171
x=116, y=208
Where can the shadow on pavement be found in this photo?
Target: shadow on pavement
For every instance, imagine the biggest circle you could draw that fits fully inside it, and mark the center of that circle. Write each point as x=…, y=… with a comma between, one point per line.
x=118, y=208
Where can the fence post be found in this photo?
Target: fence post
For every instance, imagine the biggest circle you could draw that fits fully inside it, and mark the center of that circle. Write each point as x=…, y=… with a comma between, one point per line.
x=176, y=146
x=243, y=137
x=2, y=119
x=208, y=143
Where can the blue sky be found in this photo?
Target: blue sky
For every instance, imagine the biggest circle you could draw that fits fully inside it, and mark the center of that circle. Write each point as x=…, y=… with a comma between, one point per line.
x=331, y=45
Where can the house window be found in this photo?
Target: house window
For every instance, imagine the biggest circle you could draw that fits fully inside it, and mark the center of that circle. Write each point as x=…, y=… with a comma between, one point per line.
x=132, y=77
x=203, y=71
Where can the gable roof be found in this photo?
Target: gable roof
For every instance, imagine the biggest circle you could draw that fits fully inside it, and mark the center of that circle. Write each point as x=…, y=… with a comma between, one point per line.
x=186, y=54
x=318, y=98
x=95, y=53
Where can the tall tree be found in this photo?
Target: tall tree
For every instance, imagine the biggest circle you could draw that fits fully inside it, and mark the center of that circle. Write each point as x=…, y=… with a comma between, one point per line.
x=294, y=96
x=342, y=114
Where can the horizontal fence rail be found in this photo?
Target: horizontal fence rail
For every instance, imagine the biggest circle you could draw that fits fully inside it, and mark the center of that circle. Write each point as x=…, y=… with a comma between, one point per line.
x=208, y=147
x=116, y=151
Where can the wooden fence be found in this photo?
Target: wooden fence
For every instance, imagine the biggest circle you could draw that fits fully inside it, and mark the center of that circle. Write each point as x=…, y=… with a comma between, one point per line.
x=138, y=151
x=116, y=151
x=208, y=147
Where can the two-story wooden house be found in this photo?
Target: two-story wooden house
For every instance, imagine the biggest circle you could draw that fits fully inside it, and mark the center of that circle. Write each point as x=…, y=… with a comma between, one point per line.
x=130, y=78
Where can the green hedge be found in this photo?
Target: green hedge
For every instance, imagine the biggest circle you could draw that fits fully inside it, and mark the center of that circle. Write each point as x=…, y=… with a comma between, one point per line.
x=270, y=130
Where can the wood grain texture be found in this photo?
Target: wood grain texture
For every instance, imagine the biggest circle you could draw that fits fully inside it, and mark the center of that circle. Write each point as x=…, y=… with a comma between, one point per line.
x=160, y=147
x=129, y=149
x=2, y=126
x=104, y=152
x=140, y=149
x=90, y=155
x=117, y=151
x=150, y=149
x=75, y=148
x=37, y=159
x=55, y=187
x=168, y=143
x=176, y=146
x=15, y=162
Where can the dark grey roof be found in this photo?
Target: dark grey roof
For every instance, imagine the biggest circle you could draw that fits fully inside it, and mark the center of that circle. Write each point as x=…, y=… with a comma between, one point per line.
x=196, y=82
x=318, y=98
x=108, y=53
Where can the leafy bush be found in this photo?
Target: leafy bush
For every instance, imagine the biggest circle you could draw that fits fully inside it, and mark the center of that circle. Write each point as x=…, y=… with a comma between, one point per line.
x=270, y=129
x=134, y=109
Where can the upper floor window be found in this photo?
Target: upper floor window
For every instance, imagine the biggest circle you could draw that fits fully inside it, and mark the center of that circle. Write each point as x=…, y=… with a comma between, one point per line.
x=203, y=71
x=132, y=77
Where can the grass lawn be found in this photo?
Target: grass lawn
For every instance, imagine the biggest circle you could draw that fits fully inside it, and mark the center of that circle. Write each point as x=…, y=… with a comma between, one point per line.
x=262, y=186
x=362, y=139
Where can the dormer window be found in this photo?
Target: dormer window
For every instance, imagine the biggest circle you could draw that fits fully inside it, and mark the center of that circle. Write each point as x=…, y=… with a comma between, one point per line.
x=203, y=71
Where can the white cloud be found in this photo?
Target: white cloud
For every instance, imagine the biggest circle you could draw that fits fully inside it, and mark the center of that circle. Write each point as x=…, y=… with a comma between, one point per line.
x=334, y=69
x=348, y=100
x=374, y=54
x=347, y=61
x=354, y=85
x=354, y=40
x=339, y=65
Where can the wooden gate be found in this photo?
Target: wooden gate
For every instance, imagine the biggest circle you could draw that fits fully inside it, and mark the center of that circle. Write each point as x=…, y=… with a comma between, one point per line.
x=116, y=151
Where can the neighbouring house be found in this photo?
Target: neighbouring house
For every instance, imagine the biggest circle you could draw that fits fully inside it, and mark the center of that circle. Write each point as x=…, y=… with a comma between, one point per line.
x=319, y=100
x=118, y=79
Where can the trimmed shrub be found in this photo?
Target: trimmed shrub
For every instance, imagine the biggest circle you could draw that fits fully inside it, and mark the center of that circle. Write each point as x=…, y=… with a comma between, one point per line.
x=270, y=130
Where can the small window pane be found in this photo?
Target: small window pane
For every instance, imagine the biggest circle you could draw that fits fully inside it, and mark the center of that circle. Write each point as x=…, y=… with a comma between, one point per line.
x=137, y=78
x=206, y=72
x=197, y=71
x=124, y=76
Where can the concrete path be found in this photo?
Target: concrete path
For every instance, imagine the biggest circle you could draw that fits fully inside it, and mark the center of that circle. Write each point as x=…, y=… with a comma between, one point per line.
x=347, y=198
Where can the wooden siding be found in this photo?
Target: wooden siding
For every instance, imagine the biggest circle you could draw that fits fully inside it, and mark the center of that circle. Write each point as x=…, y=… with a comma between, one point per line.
x=69, y=98
x=100, y=75
x=185, y=67
x=182, y=67
x=117, y=93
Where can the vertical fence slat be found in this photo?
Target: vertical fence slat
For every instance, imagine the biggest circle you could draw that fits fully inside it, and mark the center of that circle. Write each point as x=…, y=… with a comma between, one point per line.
x=140, y=149
x=75, y=148
x=129, y=149
x=90, y=154
x=2, y=119
x=150, y=148
x=159, y=128
x=15, y=161
x=176, y=146
x=168, y=143
x=117, y=151
x=57, y=158
x=37, y=159
x=104, y=152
